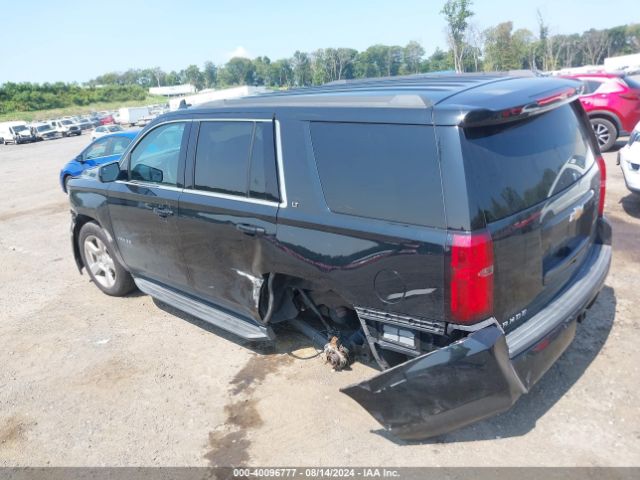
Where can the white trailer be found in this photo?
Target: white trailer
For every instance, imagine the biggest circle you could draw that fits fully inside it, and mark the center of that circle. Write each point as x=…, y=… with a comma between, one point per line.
x=213, y=95
x=131, y=115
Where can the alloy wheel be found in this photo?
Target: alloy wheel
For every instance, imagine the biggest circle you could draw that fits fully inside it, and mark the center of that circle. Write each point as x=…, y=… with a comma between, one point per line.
x=99, y=261
x=602, y=134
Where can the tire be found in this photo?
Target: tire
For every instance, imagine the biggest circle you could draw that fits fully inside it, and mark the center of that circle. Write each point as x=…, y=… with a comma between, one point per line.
x=606, y=133
x=103, y=267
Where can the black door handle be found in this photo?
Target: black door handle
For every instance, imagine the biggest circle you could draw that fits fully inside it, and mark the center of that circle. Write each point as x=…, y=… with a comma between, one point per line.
x=163, y=212
x=250, y=229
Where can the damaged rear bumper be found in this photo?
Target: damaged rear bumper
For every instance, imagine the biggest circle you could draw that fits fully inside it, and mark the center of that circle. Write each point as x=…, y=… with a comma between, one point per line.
x=482, y=374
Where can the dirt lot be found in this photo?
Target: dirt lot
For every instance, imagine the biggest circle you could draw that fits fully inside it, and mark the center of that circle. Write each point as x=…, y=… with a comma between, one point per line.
x=86, y=379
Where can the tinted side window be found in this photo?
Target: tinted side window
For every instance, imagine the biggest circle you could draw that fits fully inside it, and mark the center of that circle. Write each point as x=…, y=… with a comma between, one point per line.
x=389, y=172
x=222, y=157
x=156, y=157
x=263, y=179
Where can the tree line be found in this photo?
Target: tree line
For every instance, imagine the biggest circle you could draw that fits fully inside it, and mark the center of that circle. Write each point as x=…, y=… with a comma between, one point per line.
x=498, y=48
x=30, y=97
x=470, y=49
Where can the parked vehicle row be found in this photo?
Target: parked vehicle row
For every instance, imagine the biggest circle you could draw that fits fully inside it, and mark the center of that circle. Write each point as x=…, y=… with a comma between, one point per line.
x=101, y=123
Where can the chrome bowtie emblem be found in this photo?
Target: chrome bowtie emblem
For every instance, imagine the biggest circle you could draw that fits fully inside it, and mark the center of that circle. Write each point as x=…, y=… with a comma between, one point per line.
x=576, y=213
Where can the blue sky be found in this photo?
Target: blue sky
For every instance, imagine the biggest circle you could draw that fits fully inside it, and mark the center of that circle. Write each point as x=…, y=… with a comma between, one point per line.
x=77, y=40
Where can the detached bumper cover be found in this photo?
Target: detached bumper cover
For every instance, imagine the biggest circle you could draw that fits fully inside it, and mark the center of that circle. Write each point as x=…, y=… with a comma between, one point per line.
x=483, y=374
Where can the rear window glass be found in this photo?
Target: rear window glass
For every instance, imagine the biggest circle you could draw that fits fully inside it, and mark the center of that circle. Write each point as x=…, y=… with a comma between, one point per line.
x=388, y=172
x=632, y=82
x=516, y=165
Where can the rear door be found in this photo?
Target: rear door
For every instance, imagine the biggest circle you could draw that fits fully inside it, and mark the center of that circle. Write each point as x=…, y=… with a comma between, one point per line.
x=228, y=211
x=144, y=208
x=536, y=183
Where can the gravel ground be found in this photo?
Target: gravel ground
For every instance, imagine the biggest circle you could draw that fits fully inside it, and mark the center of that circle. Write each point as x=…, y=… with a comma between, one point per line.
x=90, y=380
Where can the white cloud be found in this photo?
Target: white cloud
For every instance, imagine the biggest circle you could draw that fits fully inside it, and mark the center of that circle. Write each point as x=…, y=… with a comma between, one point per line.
x=238, y=52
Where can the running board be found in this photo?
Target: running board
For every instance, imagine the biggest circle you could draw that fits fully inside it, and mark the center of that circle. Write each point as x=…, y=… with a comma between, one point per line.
x=227, y=321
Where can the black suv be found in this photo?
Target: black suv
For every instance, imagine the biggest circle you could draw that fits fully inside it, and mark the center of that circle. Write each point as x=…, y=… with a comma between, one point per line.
x=449, y=228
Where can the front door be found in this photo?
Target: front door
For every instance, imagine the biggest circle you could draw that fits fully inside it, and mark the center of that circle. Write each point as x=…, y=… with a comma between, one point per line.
x=104, y=150
x=228, y=212
x=144, y=207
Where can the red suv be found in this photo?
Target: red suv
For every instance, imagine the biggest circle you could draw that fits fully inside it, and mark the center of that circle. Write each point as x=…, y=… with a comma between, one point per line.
x=612, y=102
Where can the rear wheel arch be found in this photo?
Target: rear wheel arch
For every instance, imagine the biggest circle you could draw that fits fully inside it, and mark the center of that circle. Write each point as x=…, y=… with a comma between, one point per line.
x=612, y=117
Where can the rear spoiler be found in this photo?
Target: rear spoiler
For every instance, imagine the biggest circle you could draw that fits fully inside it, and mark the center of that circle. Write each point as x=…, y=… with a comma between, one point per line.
x=485, y=117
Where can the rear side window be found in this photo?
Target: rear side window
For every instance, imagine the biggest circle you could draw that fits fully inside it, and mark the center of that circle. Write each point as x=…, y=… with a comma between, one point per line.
x=383, y=171
x=222, y=157
x=632, y=82
x=237, y=158
x=263, y=183
x=516, y=165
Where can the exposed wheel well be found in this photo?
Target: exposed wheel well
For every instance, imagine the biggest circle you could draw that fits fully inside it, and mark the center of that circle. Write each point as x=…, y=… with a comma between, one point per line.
x=607, y=116
x=286, y=305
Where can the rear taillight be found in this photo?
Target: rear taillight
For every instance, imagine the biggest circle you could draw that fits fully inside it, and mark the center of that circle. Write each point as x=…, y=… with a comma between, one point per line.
x=471, y=277
x=630, y=95
x=603, y=185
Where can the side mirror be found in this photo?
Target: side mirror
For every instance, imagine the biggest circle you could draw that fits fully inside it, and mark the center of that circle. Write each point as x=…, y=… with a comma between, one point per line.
x=109, y=172
x=80, y=158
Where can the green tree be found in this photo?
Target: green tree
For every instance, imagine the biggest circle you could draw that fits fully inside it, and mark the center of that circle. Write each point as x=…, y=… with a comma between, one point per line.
x=237, y=71
x=194, y=76
x=457, y=14
x=412, y=55
x=502, y=51
x=595, y=43
x=301, y=65
x=262, y=71
x=440, y=61
x=281, y=73
x=209, y=74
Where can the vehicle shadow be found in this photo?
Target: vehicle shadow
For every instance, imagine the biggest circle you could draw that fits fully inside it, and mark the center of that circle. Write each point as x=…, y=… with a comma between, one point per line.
x=591, y=335
x=621, y=142
x=631, y=205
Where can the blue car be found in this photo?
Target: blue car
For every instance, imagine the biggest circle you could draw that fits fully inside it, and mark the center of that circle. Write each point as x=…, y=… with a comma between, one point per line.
x=102, y=150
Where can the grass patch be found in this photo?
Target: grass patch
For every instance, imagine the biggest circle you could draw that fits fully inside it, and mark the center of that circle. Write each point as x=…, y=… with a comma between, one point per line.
x=79, y=110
